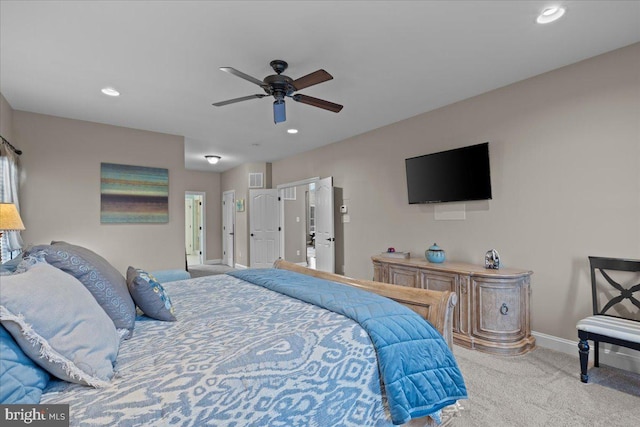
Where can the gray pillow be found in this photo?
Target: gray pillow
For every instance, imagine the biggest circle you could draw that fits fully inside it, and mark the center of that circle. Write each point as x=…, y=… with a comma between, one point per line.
x=58, y=323
x=149, y=295
x=106, y=284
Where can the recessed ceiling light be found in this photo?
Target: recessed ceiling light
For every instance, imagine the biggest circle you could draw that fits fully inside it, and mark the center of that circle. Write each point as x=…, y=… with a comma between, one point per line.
x=292, y=131
x=551, y=14
x=110, y=91
x=212, y=159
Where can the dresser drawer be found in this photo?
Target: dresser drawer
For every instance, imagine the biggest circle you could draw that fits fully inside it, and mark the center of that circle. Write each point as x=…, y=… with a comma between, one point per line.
x=403, y=276
x=438, y=281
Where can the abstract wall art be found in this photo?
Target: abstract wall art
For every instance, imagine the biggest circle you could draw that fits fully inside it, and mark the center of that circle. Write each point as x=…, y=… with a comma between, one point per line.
x=133, y=194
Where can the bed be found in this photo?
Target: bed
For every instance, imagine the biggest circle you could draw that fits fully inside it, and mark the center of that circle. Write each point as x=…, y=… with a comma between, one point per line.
x=286, y=346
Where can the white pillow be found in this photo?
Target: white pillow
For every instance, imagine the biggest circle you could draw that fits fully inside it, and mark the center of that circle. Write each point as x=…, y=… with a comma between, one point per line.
x=58, y=323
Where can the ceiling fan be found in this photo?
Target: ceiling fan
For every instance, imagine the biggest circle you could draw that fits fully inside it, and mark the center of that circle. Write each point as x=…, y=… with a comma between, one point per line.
x=280, y=86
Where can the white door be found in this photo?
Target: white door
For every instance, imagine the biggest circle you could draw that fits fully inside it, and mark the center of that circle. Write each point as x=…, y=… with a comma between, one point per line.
x=264, y=225
x=194, y=227
x=325, y=237
x=228, y=227
x=188, y=225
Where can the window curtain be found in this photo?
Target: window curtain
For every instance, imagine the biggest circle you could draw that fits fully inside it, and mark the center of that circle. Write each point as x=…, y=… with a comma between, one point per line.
x=9, y=170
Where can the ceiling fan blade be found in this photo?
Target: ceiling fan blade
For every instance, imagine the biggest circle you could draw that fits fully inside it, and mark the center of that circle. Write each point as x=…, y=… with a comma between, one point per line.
x=311, y=79
x=242, y=75
x=320, y=103
x=234, y=100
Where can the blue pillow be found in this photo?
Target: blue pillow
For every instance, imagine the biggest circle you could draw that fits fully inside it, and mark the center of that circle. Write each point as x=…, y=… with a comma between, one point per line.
x=21, y=380
x=165, y=276
x=58, y=323
x=107, y=285
x=149, y=295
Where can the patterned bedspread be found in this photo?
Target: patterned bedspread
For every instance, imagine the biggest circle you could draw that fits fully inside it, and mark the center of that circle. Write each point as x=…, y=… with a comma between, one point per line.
x=239, y=355
x=418, y=370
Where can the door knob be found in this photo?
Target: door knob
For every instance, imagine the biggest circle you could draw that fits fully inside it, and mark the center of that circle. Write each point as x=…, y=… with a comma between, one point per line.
x=504, y=309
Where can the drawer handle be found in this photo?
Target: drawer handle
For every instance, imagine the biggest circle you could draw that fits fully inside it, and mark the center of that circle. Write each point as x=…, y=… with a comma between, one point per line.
x=504, y=309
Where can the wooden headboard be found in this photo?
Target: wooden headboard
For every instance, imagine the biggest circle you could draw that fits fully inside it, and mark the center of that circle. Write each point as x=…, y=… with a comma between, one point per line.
x=434, y=306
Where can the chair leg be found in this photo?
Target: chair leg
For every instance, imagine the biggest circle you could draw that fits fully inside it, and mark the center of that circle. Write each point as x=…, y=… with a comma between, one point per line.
x=596, y=348
x=583, y=347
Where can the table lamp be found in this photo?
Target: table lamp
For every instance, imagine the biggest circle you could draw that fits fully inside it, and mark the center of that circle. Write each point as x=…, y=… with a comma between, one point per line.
x=9, y=221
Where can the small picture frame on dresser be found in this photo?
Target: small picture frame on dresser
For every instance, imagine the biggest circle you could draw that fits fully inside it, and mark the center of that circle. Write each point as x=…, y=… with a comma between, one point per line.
x=396, y=254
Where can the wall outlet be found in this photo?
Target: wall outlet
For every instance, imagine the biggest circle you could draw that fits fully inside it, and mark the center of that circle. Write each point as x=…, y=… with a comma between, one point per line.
x=298, y=252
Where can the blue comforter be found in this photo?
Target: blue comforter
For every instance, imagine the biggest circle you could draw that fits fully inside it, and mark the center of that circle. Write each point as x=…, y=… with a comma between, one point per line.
x=419, y=371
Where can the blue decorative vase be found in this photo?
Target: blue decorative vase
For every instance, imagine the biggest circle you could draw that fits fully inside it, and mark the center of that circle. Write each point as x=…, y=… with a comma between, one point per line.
x=434, y=254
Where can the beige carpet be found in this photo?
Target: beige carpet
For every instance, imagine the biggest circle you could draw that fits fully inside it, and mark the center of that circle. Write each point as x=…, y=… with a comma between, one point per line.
x=543, y=388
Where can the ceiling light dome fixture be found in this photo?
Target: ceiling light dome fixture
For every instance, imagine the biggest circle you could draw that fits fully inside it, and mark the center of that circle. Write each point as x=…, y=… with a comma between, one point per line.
x=292, y=131
x=212, y=159
x=551, y=14
x=109, y=91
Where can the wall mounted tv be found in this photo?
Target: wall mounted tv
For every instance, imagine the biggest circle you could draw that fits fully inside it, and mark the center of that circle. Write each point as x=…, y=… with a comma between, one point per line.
x=454, y=175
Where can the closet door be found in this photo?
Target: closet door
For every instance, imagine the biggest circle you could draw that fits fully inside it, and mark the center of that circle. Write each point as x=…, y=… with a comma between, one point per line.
x=325, y=236
x=264, y=225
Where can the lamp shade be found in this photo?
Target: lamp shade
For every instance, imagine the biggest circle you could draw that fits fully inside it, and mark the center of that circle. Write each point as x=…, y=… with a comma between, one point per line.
x=212, y=159
x=10, y=218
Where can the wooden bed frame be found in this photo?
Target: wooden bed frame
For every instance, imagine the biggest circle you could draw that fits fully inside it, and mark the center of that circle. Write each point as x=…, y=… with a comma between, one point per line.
x=434, y=306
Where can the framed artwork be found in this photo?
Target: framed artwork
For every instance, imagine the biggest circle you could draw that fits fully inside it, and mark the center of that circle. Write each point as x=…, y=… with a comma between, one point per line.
x=240, y=205
x=133, y=194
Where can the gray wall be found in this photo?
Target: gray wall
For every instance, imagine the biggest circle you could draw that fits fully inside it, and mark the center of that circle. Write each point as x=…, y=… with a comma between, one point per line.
x=6, y=119
x=565, y=157
x=60, y=189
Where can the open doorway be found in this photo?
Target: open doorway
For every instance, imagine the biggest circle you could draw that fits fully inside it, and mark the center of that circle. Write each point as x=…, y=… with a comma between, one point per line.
x=310, y=214
x=194, y=227
x=297, y=223
x=307, y=223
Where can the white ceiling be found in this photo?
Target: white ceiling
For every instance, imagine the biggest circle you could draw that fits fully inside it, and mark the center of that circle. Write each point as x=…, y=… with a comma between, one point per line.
x=390, y=60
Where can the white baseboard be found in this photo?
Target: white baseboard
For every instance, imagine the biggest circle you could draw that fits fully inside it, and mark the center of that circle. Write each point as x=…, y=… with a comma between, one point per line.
x=612, y=355
x=213, y=261
x=240, y=267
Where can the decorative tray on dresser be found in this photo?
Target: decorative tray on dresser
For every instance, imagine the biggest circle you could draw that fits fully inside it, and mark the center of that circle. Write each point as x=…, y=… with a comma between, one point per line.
x=492, y=314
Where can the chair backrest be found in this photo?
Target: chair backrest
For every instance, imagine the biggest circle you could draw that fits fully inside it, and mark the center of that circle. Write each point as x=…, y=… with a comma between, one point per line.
x=613, y=289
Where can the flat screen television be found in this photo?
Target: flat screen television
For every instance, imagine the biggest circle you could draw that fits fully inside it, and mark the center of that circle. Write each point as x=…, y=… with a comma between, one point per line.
x=454, y=175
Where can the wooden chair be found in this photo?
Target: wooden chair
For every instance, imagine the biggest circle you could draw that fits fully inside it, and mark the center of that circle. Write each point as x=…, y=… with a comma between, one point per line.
x=618, y=320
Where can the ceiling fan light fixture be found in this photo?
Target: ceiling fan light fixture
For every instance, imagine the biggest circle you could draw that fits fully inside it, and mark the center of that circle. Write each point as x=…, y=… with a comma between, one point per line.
x=551, y=14
x=279, y=112
x=109, y=91
x=212, y=159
